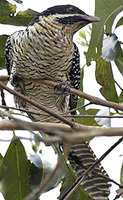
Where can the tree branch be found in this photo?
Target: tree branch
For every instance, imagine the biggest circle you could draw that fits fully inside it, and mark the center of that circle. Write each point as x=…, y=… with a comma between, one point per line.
x=92, y=99
x=64, y=131
x=4, y=78
x=36, y=104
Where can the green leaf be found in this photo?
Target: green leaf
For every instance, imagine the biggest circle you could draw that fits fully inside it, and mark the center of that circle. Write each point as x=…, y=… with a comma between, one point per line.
x=119, y=58
x=24, y=17
x=7, y=15
x=87, y=121
x=82, y=34
x=35, y=171
x=1, y=158
x=104, y=77
x=106, y=11
x=119, y=63
x=68, y=180
x=120, y=22
x=3, y=39
x=6, y=10
x=14, y=173
x=121, y=97
x=82, y=76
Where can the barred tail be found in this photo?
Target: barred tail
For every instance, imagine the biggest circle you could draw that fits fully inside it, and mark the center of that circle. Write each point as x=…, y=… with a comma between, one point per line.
x=81, y=157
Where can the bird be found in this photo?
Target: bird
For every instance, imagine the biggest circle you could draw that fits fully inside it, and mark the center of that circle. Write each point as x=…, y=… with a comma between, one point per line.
x=45, y=50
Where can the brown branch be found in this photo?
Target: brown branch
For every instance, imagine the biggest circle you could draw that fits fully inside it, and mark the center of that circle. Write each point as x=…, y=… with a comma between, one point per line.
x=4, y=78
x=64, y=131
x=92, y=99
x=36, y=104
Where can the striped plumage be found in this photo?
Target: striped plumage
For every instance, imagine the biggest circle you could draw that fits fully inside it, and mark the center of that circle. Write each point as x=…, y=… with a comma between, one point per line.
x=45, y=49
x=81, y=157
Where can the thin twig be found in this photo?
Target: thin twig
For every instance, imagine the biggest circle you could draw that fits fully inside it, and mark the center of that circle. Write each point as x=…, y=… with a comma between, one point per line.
x=118, y=85
x=93, y=116
x=77, y=108
x=64, y=114
x=22, y=110
x=103, y=156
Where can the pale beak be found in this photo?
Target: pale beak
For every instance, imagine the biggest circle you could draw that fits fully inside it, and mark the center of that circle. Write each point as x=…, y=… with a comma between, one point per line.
x=90, y=18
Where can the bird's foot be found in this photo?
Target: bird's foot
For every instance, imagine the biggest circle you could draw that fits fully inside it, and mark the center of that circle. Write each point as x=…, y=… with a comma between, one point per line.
x=64, y=86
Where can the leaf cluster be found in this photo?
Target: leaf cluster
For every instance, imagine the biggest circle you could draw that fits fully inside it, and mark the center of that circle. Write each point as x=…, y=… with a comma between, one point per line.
x=105, y=49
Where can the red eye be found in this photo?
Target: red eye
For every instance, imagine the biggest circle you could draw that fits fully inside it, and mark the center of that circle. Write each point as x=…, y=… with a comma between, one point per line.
x=72, y=10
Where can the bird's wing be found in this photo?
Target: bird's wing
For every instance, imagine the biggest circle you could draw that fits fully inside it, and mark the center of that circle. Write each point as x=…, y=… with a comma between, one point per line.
x=7, y=54
x=75, y=78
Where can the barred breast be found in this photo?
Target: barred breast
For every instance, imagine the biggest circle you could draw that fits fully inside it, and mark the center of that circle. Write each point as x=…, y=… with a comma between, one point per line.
x=33, y=55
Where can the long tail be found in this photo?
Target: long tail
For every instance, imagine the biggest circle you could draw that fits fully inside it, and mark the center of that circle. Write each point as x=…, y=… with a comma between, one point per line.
x=81, y=157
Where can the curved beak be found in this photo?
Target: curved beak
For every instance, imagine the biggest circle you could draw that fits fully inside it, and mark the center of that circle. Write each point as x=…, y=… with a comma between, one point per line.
x=90, y=19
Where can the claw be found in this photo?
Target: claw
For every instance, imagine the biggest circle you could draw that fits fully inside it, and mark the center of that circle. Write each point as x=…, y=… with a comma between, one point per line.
x=66, y=87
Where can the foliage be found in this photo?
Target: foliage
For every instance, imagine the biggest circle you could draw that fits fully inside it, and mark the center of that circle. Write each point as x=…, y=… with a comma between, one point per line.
x=3, y=39
x=13, y=172
x=104, y=77
x=16, y=171
x=7, y=14
x=104, y=48
x=35, y=172
x=106, y=11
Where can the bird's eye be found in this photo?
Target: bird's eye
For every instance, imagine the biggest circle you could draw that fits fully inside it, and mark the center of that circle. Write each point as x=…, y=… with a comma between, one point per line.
x=72, y=10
